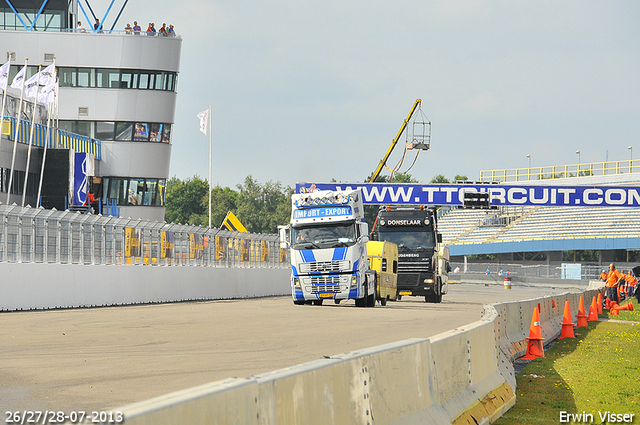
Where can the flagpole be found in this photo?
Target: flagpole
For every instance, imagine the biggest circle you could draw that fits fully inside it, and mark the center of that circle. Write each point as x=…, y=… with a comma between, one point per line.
x=17, y=134
x=210, y=151
x=34, y=111
x=47, y=139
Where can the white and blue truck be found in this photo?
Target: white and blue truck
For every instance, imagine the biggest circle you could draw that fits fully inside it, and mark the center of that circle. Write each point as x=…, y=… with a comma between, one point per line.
x=327, y=238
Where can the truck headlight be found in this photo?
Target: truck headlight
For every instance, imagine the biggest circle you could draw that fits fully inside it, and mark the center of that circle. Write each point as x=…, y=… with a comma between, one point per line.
x=428, y=281
x=354, y=281
x=296, y=283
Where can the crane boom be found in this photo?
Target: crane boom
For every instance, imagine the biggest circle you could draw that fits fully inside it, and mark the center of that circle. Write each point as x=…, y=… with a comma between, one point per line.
x=383, y=161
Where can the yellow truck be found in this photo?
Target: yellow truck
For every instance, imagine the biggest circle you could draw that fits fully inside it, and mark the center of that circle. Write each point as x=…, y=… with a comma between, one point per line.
x=383, y=258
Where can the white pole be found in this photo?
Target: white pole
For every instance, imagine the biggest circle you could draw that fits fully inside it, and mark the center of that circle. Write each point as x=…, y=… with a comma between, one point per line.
x=210, y=151
x=47, y=140
x=33, y=124
x=17, y=135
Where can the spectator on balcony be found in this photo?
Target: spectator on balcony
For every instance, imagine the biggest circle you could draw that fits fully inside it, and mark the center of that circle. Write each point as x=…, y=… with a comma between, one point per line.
x=171, y=32
x=80, y=28
x=97, y=27
x=128, y=29
x=151, y=29
x=163, y=30
x=136, y=28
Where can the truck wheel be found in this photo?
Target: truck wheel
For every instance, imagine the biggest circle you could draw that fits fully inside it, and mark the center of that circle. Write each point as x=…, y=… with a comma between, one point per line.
x=317, y=302
x=398, y=297
x=383, y=301
x=298, y=302
x=364, y=301
x=371, y=300
x=336, y=301
x=437, y=297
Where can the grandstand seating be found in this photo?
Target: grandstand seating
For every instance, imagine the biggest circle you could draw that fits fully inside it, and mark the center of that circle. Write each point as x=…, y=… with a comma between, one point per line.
x=460, y=226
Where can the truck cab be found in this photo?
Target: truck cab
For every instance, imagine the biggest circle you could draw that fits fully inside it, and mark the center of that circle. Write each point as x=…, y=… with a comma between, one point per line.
x=327, y=238
x=423, y=262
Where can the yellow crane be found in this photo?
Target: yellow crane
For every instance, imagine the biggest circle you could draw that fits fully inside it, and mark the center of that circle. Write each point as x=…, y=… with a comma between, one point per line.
x=421, y=142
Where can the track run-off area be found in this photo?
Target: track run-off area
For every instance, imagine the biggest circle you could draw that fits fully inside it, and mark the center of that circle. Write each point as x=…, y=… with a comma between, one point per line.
x=100, y=358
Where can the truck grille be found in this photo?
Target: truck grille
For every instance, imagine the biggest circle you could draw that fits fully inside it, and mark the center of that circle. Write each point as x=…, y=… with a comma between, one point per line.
x=326, y=280
x=315, y=289
x=408, y=280
x=414, y=267
x=325, y=266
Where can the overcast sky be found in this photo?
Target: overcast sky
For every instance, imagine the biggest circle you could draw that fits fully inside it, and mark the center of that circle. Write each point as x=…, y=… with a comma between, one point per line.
x=314, y=91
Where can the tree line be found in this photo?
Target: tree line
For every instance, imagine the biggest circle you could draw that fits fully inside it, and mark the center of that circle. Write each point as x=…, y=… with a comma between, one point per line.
x=260, y=207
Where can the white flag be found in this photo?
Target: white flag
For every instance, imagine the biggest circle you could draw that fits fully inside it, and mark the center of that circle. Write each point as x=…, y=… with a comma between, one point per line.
x=31, y=86
x=48, y=93
x=17, y=80
x=43, y=78
x=48, y=75
x=4, y=75
x=203, y=116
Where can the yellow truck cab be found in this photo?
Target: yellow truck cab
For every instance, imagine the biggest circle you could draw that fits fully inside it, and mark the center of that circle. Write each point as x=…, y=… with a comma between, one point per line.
x=383, y=258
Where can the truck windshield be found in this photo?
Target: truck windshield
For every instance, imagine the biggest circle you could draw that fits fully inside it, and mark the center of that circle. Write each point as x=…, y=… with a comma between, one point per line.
x=412, y=240
x=324, y=236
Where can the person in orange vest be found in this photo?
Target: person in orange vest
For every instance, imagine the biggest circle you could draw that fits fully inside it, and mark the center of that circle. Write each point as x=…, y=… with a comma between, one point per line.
x=92, y=202
x=603, y=275
x=631, y=284
x=613, y=278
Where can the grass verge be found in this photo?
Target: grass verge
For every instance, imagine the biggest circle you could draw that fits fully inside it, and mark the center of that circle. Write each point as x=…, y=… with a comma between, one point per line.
x=596, y=372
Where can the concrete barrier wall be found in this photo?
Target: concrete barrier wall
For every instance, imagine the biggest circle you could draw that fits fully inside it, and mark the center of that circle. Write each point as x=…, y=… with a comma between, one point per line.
x=464, y=376
x=27, y=286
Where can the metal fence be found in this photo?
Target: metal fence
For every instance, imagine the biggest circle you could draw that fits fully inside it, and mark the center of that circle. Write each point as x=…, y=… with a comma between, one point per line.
x=564, y=270
x=37, y=235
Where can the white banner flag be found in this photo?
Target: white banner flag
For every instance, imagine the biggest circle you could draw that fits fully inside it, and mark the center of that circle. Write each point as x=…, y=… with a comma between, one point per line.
x=43, y=78
x=4, y=75
x=203, y=116
x=48, y=93
x=48, y=75
x=17, y=80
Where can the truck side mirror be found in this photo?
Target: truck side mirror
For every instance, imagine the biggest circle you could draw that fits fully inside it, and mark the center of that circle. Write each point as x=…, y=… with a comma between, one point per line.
x=439, y=237
x=284, y=236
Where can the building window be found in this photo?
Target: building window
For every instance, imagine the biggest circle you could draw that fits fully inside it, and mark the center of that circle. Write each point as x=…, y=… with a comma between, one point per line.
x=105, y=130
x=135, y=191
x=111, y=78
x=124, y=131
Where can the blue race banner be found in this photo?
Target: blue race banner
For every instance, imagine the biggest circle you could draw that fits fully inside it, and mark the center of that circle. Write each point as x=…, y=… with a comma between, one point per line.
x=80, y=179
x=500, y=195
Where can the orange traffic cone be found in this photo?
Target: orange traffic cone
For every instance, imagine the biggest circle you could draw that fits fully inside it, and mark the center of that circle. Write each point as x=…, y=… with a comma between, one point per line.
x=626, y=307
x=582, y=315
x=593, y=311
x=567, y=325
x=535, y=348
x=599, y=303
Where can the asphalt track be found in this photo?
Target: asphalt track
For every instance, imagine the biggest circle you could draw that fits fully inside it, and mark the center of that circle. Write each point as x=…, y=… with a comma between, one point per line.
x=93, y=359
